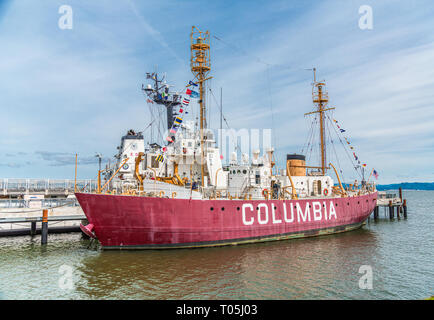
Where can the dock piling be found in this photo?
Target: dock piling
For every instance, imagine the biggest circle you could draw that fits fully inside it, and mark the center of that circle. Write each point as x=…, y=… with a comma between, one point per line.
x=391, y=213
x=33, y=228
x=376, y=209
x=44, y=229
x=405, y=208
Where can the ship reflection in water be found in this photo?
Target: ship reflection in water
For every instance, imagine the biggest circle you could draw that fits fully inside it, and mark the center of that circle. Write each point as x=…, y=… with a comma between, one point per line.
x=298, y=269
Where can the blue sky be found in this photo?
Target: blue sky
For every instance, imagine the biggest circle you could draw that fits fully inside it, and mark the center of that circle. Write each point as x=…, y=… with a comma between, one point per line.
x=78, y=91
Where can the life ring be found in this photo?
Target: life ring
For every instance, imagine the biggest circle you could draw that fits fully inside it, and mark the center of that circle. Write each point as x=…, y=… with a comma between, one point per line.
x=265, y=191
x=125, y=166
x=326, y=192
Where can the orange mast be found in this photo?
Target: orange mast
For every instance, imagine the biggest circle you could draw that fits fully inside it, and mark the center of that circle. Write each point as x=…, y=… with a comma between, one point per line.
x=200, y=66
x=320, y=99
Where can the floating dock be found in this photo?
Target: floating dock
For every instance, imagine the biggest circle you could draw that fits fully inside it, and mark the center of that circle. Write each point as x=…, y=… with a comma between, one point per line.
x=61, y=216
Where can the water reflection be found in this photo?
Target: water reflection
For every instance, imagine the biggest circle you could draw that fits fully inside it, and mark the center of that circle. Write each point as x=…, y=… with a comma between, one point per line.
x=400, y=254
x=276, y=270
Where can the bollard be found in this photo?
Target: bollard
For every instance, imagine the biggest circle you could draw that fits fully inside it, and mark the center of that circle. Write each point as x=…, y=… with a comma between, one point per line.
x=405, y=209
x=44, y=229
x=33, y=228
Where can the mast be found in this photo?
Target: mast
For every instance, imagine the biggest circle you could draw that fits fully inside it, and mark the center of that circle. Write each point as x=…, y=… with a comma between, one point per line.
x=200, y=67
x=320, y=99
x=159, y=93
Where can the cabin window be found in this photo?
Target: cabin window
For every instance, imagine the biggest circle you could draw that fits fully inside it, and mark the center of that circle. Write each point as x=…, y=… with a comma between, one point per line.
x=257, y=178
x=244, y=171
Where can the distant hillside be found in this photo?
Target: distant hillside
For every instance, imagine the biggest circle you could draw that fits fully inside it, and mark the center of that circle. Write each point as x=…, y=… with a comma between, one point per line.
x=407, y=186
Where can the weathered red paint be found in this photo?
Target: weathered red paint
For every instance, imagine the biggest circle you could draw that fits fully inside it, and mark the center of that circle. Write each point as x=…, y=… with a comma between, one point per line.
x=132, y=221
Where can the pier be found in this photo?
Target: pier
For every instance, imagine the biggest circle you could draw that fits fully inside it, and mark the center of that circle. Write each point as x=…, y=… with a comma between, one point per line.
x=392, y=204
x=42, y=216
x=16, y=188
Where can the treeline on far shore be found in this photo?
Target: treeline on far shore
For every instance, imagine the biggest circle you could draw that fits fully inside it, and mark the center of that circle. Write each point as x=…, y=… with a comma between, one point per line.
x=407, y=186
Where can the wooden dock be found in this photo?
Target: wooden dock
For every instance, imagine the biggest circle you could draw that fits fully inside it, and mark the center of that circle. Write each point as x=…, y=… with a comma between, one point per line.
x=40, y=221
x=392, y=204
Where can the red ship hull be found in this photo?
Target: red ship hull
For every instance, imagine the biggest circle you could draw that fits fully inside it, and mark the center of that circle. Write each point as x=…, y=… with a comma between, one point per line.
x=131, y=222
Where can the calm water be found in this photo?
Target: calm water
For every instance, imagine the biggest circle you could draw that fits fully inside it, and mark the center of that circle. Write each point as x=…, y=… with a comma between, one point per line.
x=399, y=252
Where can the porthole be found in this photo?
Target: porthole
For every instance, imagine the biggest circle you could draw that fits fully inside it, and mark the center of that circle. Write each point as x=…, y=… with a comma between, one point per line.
x=238, y=208
x=212, y=209
x=223, y=208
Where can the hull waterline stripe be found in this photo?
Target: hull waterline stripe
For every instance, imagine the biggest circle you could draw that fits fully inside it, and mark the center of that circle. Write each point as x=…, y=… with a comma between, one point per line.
x=276, y=237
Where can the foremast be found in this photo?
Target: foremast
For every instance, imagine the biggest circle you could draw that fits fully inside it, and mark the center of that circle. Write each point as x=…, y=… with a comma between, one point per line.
x=200, y=67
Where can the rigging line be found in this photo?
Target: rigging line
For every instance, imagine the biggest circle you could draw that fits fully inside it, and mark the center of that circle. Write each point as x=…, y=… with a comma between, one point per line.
x=309, y=136
x=271, y=106
x=258, y=59
x=241, y=50
x=310, y=143
x=346, y=151
x=335, y=152
x=220, y=107
x=235, y=141
x=343, y=145
x=312, y=138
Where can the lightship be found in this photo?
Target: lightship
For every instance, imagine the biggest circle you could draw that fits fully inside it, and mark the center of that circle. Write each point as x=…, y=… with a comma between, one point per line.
x=181, y=195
